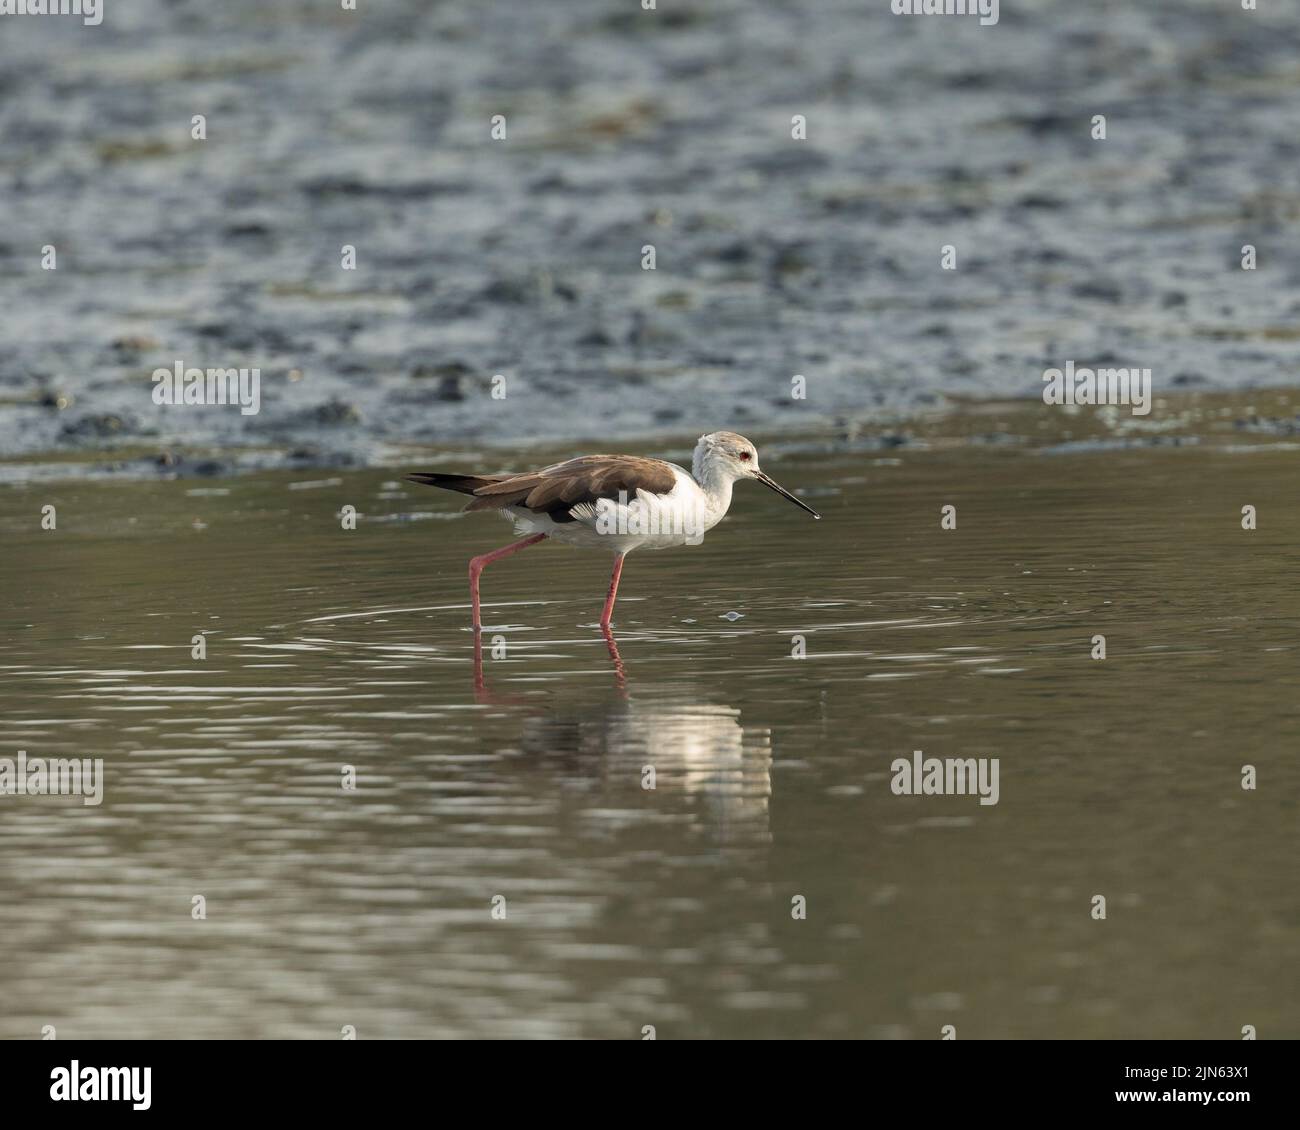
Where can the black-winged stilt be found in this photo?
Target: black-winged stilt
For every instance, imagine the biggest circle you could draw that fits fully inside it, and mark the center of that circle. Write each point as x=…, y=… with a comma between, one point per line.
x=614, y=502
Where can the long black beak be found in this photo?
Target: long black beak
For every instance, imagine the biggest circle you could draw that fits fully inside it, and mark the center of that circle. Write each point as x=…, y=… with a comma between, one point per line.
x=762, y=478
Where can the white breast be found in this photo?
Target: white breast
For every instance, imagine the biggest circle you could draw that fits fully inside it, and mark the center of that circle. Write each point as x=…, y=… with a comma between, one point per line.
x=643, y=521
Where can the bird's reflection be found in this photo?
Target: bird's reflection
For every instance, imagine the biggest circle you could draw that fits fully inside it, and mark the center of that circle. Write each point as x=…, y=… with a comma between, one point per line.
x=659, y=757
x=485, y=696
x=661, y=752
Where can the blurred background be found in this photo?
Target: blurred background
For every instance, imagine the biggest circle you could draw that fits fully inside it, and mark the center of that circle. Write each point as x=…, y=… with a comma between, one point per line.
x=625, y=128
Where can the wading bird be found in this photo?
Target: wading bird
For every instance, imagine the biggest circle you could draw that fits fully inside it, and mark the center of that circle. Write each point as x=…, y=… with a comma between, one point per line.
x=614, y=502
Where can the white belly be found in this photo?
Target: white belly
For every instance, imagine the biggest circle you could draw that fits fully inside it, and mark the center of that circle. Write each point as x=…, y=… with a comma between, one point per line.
x=644, y=521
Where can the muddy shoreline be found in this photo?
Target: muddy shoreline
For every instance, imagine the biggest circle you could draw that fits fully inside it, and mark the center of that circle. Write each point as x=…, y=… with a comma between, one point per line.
x=520, y=260
x=1258, y=420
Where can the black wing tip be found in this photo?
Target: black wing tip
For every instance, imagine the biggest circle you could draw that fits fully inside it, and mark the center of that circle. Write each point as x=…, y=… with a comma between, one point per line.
x=441, y=479
x=462, y=484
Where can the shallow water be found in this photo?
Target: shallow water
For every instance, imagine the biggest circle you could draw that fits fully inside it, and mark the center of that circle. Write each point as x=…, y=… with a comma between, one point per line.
x=670, y=907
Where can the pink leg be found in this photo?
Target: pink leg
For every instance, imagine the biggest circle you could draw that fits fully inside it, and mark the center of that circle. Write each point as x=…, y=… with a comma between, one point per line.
x=620, y=672
x=478, y=564
x=613, y=591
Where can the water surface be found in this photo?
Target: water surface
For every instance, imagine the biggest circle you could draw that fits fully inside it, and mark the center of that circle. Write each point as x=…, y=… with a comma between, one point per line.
x=669, y=907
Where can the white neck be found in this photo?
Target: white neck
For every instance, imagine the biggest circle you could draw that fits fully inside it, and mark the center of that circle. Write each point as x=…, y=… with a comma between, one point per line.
x=714, y=482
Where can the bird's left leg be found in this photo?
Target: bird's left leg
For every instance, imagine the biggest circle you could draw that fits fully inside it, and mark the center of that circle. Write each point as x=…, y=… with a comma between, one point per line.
x=478, y=564
x=613, y=591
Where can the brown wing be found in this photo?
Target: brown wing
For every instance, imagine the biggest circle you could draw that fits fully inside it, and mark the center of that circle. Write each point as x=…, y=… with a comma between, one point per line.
x=556, y=490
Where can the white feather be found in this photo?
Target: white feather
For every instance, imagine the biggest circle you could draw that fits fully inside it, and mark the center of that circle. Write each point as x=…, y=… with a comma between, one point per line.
x=648, y=521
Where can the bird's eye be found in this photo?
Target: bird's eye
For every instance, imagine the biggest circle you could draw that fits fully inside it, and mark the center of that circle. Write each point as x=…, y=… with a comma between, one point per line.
x=745, y=455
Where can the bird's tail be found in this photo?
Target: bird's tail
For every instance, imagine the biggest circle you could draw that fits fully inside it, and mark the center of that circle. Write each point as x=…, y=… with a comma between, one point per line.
x=463, y=484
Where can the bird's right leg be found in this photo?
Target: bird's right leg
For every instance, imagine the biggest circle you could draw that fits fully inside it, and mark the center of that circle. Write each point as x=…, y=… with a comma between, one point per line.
x=478, y=564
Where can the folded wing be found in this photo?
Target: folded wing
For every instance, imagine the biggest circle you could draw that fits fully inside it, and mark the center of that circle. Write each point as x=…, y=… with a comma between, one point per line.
x=556, y=490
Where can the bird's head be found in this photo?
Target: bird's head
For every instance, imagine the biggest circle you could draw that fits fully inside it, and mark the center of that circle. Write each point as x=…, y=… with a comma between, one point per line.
x=728, y=456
